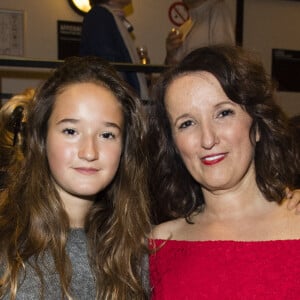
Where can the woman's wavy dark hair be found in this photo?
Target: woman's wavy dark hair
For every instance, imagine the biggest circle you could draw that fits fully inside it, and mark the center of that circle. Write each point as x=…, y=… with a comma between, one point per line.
x=294, y=123
x=174, y=192
x=33, y=219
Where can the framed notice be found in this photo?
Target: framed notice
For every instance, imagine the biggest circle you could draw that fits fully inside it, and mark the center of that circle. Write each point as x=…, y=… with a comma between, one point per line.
x=12, y=32
x=69, y=35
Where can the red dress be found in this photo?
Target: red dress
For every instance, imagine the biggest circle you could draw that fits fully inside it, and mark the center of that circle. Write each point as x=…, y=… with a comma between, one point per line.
x=225, y=270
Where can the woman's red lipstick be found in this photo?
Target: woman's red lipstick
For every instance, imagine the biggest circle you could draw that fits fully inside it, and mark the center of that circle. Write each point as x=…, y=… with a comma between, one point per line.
x=212, y=159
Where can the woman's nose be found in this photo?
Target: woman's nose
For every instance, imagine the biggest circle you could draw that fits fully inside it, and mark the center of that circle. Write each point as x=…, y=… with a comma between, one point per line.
x=88, y=149
x=209, y=136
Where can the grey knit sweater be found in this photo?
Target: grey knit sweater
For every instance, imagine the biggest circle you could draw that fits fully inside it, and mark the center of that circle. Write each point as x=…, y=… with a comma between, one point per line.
x=82, y=284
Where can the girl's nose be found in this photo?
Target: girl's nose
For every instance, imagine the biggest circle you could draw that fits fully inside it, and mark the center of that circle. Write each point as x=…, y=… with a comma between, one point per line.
x=88, y=149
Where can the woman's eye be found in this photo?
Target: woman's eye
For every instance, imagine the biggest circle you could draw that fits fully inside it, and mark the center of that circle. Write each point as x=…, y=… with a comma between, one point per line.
x=69, y=131
x=225, y=113
x=108, y=135
x=186, y=124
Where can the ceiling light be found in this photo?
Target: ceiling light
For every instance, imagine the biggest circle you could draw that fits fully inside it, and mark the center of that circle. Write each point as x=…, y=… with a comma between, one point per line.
x=80, y=6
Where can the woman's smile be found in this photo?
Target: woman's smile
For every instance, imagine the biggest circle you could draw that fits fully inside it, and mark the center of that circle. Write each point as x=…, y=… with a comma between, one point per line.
x=213, y=159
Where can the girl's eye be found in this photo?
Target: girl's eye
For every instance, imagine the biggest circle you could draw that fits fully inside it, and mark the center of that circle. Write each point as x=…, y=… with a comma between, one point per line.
x=69, y=131
x=108, y=135
x=225, y=113
x=186, y=124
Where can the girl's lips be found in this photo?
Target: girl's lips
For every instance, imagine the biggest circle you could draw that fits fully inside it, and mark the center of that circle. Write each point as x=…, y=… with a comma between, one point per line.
x=86, y=171
x=213, y=159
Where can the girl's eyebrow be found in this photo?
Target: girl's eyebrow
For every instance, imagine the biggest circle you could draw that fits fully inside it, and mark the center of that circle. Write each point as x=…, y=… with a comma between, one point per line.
x=74, y=121
x=67, y=120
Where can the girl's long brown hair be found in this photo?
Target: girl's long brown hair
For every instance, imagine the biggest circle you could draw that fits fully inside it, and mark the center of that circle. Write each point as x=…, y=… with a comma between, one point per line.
x=33, y=220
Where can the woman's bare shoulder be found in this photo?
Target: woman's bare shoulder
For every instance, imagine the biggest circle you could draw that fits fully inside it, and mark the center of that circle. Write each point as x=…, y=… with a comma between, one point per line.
x=167, y=230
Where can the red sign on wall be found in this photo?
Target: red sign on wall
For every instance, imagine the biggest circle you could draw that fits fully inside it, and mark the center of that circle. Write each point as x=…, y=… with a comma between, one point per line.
x=178, y=13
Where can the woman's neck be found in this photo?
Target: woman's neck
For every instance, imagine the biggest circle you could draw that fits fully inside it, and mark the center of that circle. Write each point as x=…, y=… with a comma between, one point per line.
x=244, y=199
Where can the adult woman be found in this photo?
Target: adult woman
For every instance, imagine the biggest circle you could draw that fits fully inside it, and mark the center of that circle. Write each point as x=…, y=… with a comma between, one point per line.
x=225, y=157
x=72, y=224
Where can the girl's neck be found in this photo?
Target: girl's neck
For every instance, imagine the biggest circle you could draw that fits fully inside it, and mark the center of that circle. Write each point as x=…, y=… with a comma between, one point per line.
x=76, y=208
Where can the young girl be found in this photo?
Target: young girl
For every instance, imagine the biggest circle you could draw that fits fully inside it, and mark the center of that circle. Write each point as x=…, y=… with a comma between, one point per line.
x=74, y=220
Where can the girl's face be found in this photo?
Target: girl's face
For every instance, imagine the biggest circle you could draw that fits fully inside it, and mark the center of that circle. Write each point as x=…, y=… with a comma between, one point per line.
x=84, y=141
x=210, y=131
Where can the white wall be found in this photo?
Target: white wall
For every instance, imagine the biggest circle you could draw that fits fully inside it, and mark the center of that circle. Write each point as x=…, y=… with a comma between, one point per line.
x=40, y=34
x=149, y=17
x=267, y=24
x=40, y=23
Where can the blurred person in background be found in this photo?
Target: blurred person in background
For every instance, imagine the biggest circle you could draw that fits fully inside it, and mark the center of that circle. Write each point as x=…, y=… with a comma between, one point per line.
x=210, y=23
x=107, y=33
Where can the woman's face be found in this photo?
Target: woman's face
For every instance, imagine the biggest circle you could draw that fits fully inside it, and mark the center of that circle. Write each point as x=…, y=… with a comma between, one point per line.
x=210, y=131
x=84, y=141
